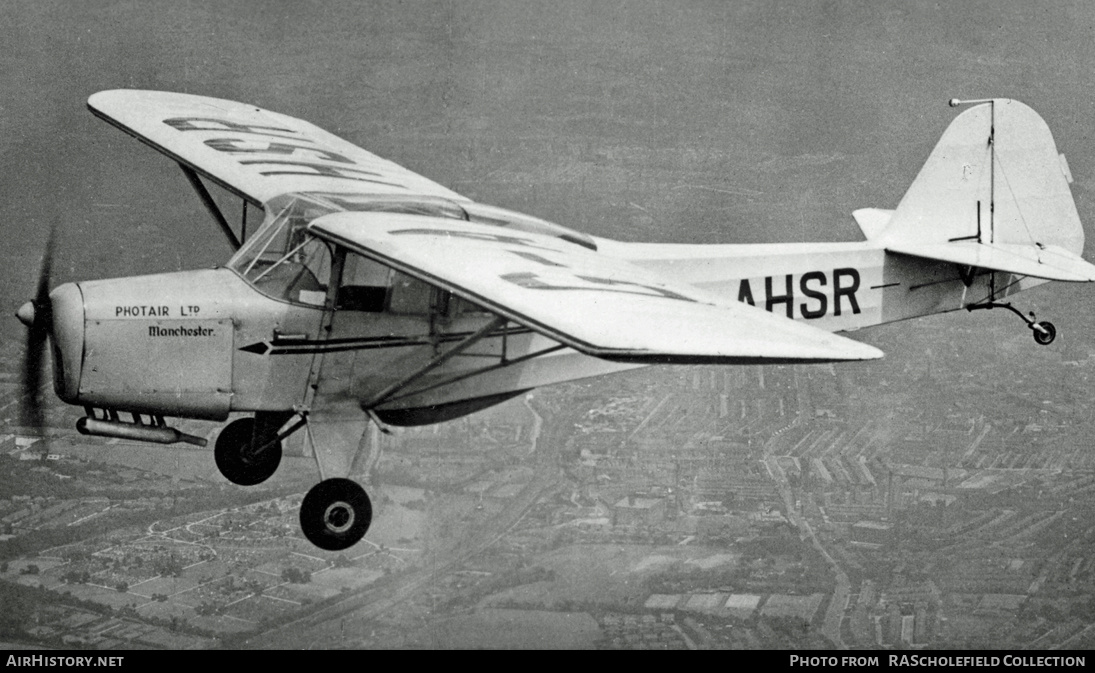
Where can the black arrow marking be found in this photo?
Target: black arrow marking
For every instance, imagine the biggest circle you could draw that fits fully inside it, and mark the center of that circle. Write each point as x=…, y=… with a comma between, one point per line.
x=261, y=348
x=302, y=346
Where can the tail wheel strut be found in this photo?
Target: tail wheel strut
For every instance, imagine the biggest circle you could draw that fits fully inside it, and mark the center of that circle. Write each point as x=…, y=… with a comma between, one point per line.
x=1044, y=331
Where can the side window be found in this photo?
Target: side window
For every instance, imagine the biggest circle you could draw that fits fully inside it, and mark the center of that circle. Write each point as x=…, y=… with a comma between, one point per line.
x=409, y=295
x=458, y=306
x=374, y=287
x=364, y=285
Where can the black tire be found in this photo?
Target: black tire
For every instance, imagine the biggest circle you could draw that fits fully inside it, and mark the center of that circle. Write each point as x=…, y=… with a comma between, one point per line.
x=1047, y=337
x=235, y=460
x=335, y=514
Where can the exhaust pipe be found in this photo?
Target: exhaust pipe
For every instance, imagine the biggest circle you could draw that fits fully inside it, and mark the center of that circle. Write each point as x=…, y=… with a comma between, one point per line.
x=160, y=434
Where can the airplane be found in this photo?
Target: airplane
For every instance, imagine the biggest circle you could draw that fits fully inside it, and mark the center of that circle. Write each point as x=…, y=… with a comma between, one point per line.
x=370, y=294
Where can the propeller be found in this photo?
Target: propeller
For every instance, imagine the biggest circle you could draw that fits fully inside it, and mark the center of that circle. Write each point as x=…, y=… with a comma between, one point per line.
x=37, y=315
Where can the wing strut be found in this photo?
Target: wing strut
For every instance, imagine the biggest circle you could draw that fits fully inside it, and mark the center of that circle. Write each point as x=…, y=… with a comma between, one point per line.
x=243, y=221
x=504, y=362
x=211, y=205
x=435, y=362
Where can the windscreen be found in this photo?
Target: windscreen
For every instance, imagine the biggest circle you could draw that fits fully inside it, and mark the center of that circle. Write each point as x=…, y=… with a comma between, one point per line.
x=284, y=260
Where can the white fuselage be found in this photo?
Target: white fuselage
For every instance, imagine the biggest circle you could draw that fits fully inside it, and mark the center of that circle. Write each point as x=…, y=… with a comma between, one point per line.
x=839, y=287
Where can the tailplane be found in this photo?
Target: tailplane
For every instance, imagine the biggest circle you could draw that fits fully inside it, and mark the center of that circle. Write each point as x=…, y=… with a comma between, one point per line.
x=994, y=194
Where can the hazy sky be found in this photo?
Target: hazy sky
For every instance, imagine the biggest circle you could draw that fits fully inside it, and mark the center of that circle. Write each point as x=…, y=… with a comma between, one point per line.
x=702, y=121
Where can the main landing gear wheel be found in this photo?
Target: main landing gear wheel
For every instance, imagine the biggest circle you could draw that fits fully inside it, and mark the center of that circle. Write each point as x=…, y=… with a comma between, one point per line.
x=1044, y=332
x=235, y=456
x=335, y=514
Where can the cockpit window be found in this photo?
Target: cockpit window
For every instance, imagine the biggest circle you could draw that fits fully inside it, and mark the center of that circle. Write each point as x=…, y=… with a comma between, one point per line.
x=286, y=261
x=418, y=205
x=301, y=275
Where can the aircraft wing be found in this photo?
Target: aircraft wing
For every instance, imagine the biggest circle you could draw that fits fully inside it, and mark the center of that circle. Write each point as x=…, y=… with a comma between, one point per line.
x=1047, y=261
x=253, y=152
x=596, y=304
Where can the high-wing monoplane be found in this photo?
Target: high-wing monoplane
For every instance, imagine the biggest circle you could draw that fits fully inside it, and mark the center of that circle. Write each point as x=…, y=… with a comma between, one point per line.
x=370, y=294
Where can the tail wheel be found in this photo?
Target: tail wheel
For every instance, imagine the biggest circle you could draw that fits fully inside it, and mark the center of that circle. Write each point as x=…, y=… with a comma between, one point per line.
x=335, y=514
x=236, y=460
x=1044, y=332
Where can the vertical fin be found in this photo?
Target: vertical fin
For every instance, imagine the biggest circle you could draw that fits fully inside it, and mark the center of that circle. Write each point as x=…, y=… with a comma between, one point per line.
x=1002, y=154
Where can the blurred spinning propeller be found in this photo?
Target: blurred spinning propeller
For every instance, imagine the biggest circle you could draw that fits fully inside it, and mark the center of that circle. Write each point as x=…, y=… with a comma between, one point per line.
x=37, y=315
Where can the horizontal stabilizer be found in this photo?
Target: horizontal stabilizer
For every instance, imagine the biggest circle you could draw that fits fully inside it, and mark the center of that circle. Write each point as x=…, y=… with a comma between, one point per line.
x=598, y=305
x=1049, y=262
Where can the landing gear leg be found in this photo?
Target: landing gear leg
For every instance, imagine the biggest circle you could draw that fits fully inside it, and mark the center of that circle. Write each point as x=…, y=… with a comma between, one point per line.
x=1044, y=331
x=248, y=450
x=335, y=514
